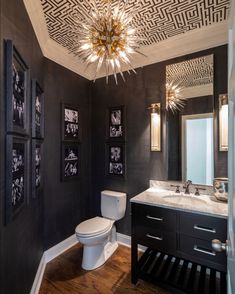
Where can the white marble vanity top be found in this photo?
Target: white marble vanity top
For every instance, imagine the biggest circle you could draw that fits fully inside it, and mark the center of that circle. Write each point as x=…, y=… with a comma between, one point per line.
x=162, y=197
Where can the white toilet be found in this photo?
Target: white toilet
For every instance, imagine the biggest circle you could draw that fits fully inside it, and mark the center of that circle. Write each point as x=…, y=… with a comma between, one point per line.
x=98, y=234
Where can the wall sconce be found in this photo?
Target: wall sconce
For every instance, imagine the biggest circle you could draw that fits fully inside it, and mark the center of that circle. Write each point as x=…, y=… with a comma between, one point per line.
x=155, y=126
x=223, y=122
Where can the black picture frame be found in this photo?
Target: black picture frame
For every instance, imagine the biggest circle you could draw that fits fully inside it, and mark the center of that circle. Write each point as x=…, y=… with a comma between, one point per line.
x=115, y=160
x=17, y=175
x=16, y=91
x=70, y=161
x=37, y=110
x=37, y=168
x=71, y=129
x=116, y=123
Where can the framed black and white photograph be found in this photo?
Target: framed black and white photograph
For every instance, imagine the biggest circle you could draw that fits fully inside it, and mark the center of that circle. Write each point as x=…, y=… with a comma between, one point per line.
x=116, y=129
x=115, y=165
x=37, y=110
x=37, y=166
x=17, y=166
x=17, y=91
x=70, y=160
x=70, y=123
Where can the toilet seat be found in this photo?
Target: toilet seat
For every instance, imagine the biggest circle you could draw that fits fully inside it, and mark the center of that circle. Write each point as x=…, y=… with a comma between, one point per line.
x=94, y=226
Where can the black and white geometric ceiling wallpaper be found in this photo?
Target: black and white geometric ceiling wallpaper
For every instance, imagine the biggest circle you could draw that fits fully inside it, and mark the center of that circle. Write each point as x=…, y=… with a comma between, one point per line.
x=190, y=73
x=160, y=19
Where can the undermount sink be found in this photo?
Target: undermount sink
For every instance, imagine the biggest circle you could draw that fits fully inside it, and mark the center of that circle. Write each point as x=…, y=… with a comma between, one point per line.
x=183, y=200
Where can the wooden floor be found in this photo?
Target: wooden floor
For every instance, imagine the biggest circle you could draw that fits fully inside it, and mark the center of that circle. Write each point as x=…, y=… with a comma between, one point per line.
x=64, y=275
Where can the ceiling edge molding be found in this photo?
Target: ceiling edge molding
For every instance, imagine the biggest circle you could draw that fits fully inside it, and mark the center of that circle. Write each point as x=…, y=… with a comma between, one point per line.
x=192, y=41
x=50, y=48
x=36, y=17
x=60, y=55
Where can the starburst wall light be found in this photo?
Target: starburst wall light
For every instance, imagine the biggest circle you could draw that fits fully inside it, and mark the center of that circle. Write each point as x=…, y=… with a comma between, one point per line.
x=108, y=38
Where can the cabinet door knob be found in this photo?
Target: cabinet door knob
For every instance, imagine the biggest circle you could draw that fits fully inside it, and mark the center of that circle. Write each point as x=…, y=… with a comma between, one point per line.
x=218, y=246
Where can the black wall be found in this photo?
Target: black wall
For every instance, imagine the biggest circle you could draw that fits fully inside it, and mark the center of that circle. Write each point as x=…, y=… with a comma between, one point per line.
x=136, y=95
x=52, y=217
x=21, y=240
x=65, y=203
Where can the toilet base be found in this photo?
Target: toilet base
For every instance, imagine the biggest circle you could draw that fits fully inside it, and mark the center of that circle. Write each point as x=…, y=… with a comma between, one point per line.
x=95, y=256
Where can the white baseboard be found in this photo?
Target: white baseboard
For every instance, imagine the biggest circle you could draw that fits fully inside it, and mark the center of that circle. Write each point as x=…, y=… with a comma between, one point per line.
x=47, y=256
x=59, y=248
x=39, y=275
x=126, y=241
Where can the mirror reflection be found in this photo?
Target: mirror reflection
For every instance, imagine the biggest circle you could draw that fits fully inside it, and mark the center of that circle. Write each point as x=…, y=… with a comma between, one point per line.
x=197, y=148
x=189, y=102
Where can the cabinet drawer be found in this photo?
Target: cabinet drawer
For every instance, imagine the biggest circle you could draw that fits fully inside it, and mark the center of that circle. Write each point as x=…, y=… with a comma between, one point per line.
x=160, y=240
x=202, y=250
x=203, y=227
x=154, y=217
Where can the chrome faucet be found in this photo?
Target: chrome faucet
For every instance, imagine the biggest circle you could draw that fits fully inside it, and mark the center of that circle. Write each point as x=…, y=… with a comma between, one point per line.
x=186, y=186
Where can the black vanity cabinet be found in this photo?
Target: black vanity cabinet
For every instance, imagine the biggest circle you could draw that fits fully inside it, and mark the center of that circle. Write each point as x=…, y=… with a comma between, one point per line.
x=179, y=248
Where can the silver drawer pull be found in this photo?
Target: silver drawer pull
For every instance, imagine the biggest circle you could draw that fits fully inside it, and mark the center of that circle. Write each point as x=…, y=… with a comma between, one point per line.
x=154, y=237
x=199, y=228
x=195, y=248
x=155, y=218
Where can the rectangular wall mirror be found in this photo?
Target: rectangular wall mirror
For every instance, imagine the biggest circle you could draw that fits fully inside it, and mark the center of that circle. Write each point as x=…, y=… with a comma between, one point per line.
x=197, y=148
x=190, y=112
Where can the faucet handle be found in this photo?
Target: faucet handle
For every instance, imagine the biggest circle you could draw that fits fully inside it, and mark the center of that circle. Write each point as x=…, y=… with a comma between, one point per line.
x=187, y=183
x=197, y=193
x=177, y=188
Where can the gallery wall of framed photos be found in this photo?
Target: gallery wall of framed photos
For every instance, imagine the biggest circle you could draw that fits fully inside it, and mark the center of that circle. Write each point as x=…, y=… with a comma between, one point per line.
x=115, y=145
x=17, y=89
x=70, y=145
x=24, y=132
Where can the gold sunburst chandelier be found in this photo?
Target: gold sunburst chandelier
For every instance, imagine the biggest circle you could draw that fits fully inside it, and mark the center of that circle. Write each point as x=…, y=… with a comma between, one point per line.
x=174, y=100
x=108, y=38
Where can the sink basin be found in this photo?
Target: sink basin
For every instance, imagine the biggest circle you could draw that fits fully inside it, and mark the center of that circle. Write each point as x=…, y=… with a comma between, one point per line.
x=183, y=200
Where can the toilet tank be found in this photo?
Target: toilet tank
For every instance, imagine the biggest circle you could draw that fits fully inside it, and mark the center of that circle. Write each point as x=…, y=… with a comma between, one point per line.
x=113, y=204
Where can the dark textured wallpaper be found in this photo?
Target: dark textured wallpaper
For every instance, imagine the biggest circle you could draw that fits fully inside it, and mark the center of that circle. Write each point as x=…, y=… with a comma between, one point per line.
x=65, y=203
x=51, y=218
x=21, y=240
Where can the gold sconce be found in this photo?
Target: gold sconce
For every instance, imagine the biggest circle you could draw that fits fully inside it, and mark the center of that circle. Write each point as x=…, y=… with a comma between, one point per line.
x=223, y=122
x=155, y=126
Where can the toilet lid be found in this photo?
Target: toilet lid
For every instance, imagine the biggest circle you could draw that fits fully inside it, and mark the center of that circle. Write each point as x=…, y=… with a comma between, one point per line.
x=93, y=226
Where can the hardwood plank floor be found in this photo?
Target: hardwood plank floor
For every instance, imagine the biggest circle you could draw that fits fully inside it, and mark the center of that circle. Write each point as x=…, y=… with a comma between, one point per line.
x=64, y=275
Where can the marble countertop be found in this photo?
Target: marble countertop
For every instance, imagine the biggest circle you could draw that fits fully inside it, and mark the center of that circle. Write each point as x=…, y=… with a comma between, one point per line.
x=162, y=197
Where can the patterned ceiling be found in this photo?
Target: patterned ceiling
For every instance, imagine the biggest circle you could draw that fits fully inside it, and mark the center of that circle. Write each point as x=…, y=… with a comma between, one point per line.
x=160, y=19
